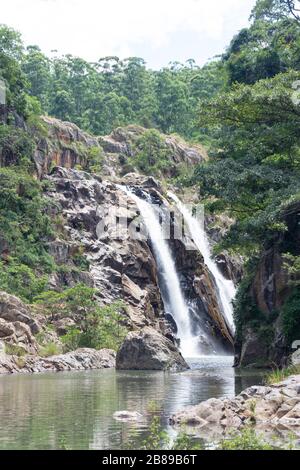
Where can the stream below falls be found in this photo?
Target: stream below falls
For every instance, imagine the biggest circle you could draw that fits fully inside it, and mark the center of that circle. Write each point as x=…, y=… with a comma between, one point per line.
x=74, y=410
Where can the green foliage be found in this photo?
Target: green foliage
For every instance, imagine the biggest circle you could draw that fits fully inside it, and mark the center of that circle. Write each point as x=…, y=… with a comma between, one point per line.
x=244, y=439
x=16, y=147
x=255, y=165
x=11, y=56
x=252, y=126
x=71, y=340
x=292, y=265
x=14, y=350
x=291, y=316
x=49, y=349
x=95, y=160
x=69, y=302
x=97, y=327
x=151, y=153
x=103, y=327
x=158, y=439
x=101, y=96
x=21, y=280
x=25, y=228
x=248, y=439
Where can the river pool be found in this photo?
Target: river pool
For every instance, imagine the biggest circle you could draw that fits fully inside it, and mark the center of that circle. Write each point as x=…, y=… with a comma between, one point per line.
x=74, y=410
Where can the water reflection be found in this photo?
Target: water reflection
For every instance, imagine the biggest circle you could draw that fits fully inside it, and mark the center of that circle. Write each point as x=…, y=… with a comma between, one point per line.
x=75, y=410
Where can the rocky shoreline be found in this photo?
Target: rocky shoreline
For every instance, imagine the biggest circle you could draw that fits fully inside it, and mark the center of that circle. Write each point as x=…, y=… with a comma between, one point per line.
x=271, y=409
x=82, y=359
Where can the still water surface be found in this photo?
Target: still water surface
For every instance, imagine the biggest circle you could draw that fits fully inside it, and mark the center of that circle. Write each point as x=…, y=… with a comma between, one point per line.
x=75, y=409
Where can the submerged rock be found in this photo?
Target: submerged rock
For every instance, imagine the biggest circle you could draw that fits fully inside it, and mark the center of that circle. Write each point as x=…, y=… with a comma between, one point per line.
x=149, y=350
x=127, y=416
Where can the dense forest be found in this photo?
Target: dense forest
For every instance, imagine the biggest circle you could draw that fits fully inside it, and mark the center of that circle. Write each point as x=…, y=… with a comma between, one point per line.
x=243, y=106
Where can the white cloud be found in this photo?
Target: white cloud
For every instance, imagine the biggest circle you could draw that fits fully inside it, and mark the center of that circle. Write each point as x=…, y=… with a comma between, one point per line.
x=93, y=28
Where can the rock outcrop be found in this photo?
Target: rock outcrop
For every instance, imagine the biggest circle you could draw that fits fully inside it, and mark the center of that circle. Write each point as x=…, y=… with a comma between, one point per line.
x=119, y=147
x=82, y=359
x=17, y=325
x=272, y=407
x=149, y=350
x=66, y=145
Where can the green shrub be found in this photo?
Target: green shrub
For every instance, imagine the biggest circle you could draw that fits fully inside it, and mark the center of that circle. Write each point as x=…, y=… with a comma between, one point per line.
x=291, y=316
x=151, y=153
x=16, y=147
x=71, y=340
x=72, y=301
x=95, y=159
x=25, y=230
x=102, y=327
x=243, y=439
x=247, y=439
x=98, y=327
x=50, y=349
x=14, y=350
x=20, y=280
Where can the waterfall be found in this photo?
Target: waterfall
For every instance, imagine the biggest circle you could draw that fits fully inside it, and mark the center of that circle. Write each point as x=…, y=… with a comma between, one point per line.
x=226, y=288
x=171, y=291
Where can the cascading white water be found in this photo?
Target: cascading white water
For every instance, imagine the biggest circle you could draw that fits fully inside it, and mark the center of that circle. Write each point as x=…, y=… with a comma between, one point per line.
x=175, y=301
x=226, y=288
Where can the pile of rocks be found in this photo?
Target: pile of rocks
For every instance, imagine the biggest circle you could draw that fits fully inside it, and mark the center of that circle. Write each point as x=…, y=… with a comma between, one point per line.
x=265, y=407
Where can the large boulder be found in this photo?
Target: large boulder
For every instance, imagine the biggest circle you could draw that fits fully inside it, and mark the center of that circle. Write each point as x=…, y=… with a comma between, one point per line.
x=149, y=350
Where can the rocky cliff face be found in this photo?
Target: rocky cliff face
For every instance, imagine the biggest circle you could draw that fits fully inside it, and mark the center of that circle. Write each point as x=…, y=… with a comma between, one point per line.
x=261, y=339
x=120, y=267
x=90, y=214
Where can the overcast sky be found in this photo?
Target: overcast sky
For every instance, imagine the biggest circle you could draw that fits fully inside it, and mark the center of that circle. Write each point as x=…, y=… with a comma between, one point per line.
x=160, y=31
